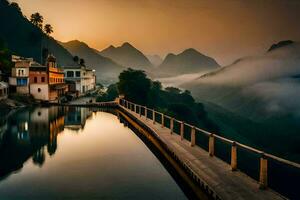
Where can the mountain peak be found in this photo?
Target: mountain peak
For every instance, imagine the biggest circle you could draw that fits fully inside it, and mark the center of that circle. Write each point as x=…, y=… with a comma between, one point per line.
x=190, y=50
x=127, y=55
x=188, y=61
x=127, y=44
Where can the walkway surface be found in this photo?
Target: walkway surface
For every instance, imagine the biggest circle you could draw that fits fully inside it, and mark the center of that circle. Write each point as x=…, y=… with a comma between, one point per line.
x=82, y=100
x=214, y=172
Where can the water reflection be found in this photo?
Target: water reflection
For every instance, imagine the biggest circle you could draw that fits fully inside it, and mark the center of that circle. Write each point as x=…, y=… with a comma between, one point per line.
x=71, y=152
x=33, y=132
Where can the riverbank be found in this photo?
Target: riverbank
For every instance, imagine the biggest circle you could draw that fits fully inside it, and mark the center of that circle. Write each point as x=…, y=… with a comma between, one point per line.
x=8, y=105
x=15, y=102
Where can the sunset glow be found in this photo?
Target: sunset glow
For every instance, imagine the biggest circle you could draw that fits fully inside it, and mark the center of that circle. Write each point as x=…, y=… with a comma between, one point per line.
x=225, y=30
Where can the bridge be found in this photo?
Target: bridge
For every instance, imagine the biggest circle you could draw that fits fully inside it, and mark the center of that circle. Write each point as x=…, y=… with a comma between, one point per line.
x=217, y=177
x=221, y=180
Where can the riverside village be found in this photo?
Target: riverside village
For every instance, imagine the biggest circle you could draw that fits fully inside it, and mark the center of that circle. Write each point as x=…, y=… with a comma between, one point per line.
x=149, y=100
x=47, y=82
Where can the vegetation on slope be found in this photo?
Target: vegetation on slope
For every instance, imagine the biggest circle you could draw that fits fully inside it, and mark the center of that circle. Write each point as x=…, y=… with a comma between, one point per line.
x=26, y=37
x=138, y=88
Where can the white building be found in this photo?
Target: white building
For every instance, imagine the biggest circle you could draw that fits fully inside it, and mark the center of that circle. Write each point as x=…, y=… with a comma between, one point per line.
x=80, y=79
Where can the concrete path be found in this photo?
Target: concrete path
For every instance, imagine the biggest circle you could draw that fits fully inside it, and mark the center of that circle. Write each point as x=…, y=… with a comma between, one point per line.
x=82, y=100
x=217, y=174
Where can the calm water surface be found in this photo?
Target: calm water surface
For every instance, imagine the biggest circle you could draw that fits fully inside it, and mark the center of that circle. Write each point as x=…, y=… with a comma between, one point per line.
x=74, y=153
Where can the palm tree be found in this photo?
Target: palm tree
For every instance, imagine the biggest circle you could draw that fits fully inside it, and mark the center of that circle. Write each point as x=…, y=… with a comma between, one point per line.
x=37, y=19
x=76, y=59
x=48, y=29
x=82, y=62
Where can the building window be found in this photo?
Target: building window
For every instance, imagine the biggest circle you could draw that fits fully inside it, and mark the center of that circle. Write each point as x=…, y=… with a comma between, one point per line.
x=43, y=79
x=77, y=73
x=39, y=90
x=21, y=81
x=70, y=74
x=35, y=80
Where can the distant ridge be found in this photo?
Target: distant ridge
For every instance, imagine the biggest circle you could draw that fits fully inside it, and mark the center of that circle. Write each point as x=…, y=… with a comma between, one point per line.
x=107, y=71
x=156, y=60
x=128, y=56
x=188, y=61
x=255, y=87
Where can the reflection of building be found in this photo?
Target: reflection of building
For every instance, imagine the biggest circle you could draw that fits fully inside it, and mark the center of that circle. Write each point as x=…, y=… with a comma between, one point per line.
x=19, y=80
x=47, y=123
x=3, y=90
x=31, y=133
x=76, y=117
x=47, y=82
x=80, y=79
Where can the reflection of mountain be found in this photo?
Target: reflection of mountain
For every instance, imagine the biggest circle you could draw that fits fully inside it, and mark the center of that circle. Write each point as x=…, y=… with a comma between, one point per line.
x=76, y=118
x=29, y=131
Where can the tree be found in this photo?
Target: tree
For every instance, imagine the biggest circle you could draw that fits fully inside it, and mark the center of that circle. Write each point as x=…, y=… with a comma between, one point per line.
x=37, y=19
x=16, y=6
x=48, y=29
x=76, y=59
x=173, y=90
x=5, y=60
x=135, y=85
x=82, y=62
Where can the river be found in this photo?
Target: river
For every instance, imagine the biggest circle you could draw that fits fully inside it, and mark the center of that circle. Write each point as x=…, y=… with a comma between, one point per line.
x=77, y=153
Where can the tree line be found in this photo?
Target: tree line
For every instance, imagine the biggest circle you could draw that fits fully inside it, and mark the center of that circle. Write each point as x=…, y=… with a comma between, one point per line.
x=138, y=88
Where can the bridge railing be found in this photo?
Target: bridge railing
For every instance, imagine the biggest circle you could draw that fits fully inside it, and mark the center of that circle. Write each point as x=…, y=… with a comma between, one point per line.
x=230, y=148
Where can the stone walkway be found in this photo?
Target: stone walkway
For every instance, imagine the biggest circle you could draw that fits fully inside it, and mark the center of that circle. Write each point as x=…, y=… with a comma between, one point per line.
x=217, y=174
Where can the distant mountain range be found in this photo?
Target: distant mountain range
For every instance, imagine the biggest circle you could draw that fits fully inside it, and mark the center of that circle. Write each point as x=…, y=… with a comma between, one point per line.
x=25, y=39
x=189, y=61
x=128, y=56
x=107, y=70
x=156, y=60
x=256, y=87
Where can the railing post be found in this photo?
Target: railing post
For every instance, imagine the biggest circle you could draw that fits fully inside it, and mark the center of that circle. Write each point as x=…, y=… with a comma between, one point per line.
x=140, y=111
x=145, y=112
x=181, y=130
x=263, y=172
x=193, y=136
x=153, y=116
x=233, y=157
x=162, y=120
x=211, y=145
x=171, y=125
x=135, y=108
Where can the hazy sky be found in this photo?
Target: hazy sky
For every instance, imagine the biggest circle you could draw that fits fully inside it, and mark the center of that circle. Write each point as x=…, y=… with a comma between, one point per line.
x=225, y=30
